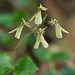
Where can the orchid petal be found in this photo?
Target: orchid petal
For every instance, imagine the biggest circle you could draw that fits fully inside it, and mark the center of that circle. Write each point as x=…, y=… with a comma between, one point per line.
x=44, y=43
x=58, y=31
x=64, y=30
x=37, y=42
x=18, y=32
x=38, y=18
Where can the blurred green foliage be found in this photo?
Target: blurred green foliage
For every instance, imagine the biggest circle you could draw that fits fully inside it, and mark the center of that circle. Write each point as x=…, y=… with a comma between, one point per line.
x=45, y=55
x=67, y=71
x=63, y=71
x=5, y=39
x=8, y=20
x=5, y=63
x=60, y=56
x=47, y=73
x=24, y=66
x=18, y=15
x=41, y=54
x=31, y=39
x=24, y=2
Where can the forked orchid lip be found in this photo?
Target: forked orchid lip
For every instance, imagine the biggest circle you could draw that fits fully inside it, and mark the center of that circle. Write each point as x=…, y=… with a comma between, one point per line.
x=19, y=29
x=40, y=39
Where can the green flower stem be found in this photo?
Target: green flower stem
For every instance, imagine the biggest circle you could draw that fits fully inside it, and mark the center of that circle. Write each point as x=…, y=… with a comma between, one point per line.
x=52, y=68
x=44, y=16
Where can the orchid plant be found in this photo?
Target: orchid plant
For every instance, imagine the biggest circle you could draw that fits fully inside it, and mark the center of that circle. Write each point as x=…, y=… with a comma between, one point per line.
x=40, y=31
x=25, y=65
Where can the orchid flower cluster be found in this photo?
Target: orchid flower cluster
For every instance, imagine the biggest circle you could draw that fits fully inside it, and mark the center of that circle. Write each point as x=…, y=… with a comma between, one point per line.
x=40, y=31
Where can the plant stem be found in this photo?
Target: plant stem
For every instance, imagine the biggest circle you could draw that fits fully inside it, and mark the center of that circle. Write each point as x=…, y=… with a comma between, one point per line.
x=44, y=16
x=52, y=68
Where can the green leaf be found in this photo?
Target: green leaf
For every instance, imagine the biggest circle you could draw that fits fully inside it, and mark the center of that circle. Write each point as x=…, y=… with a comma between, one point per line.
x=42, y=55
x=5, y=63
x=38, y=18
x=67, y=71
x=24, y=66
x=60, y=56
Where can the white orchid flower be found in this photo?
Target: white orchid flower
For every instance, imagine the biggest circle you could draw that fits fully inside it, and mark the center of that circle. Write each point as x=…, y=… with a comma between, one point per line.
x=58, y=28
x=59, y=31
x=37, y=16
x=41, y=39
x=19, y=29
